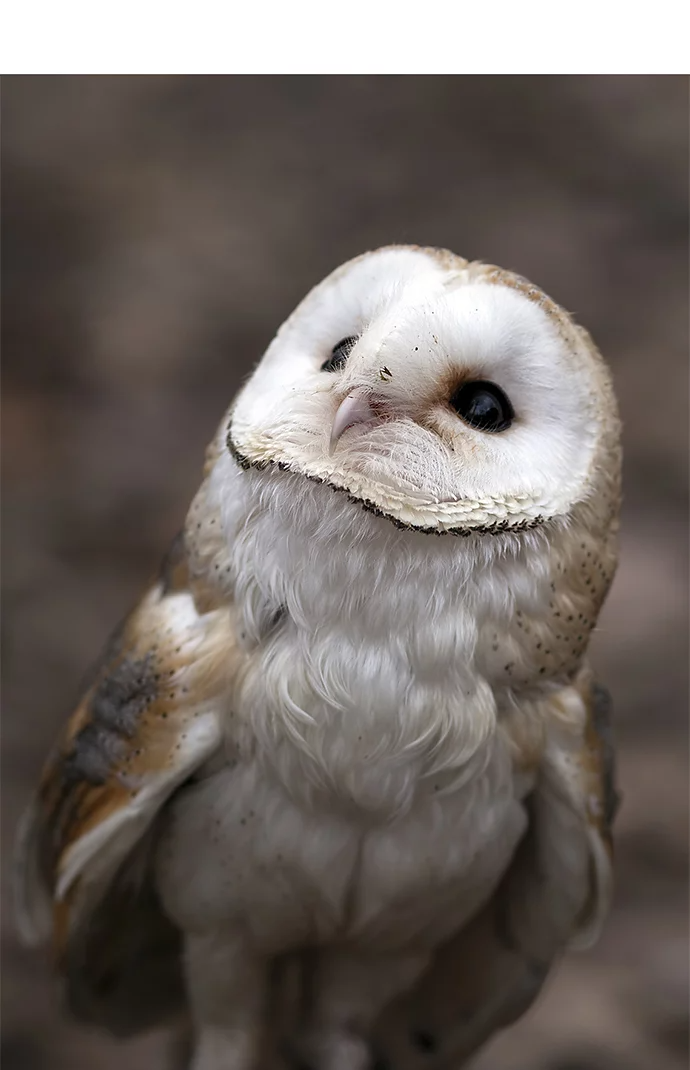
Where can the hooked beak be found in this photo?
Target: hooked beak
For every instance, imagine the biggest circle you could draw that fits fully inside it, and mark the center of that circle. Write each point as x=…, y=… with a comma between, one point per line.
x=355, y=409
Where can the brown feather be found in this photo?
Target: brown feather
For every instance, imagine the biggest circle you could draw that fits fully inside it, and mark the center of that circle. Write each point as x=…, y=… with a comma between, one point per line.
x=131, y=741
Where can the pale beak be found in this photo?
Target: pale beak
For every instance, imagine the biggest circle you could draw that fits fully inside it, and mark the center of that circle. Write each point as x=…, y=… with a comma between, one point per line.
x=355, y=409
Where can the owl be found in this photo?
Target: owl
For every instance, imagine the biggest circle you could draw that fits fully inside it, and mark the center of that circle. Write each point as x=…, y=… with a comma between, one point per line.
x=340, y=791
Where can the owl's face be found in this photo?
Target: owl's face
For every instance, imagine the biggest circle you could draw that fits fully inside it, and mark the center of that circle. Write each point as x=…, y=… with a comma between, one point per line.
x=447, y=396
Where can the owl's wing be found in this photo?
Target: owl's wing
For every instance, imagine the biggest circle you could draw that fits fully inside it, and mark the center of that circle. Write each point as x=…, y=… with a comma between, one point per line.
x=149, y=719
x=556, y=893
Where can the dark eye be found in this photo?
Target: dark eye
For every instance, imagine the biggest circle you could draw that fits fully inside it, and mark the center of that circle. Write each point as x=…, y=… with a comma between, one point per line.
x=483, y=405
x=339, y=354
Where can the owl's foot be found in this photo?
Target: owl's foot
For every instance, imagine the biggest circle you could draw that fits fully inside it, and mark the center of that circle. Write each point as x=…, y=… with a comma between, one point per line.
x=224, y=1049
x=332, y=1050
x=228, y=986
x=347, y=987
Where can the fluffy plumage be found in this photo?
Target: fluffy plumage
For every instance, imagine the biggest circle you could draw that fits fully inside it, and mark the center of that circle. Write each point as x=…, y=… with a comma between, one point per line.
x=349, y=743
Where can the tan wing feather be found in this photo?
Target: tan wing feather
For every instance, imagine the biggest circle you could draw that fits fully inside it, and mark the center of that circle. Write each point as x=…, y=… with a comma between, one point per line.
x=148, y=720
x=556, y=892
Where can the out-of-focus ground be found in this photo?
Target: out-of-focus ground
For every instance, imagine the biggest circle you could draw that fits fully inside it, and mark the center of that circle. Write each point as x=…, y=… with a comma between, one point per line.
x=156, y=231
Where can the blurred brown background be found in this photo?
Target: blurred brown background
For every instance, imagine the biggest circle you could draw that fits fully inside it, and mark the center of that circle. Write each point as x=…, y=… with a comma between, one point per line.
x=156, y=231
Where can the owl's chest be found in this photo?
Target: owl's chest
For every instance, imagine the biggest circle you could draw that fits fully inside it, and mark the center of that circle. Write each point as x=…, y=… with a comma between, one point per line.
x=367, y=714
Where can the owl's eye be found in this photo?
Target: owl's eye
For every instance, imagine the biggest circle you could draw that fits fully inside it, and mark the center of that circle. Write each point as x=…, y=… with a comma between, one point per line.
x=339, y=354
x=483, y=405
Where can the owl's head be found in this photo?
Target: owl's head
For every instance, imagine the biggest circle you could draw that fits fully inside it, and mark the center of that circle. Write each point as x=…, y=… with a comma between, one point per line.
x=443, y=395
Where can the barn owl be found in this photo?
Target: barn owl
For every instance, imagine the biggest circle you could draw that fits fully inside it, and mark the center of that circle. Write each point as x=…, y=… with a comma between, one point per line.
x=340, y=791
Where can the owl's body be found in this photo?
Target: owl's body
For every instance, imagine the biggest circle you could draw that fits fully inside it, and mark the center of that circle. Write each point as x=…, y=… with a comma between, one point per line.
x=351, y=725
x=364, y=824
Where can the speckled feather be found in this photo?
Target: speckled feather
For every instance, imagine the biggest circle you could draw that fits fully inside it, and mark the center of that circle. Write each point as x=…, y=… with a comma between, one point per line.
x=145, y=722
